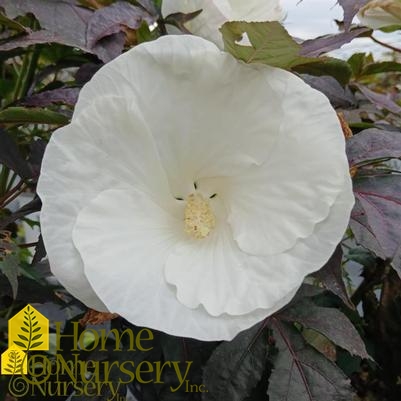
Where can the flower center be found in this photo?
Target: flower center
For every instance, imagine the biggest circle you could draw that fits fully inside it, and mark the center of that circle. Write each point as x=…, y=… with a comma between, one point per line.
x=199, y=219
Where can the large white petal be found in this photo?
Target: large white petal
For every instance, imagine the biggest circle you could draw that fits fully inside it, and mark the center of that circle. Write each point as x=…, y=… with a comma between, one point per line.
x=209, y=113
x=81, y=160
x=273, y=205
x=215, y=273
x=129, y=275
x=256, y=10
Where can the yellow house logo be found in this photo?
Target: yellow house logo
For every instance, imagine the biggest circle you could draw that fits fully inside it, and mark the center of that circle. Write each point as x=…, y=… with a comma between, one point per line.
x=28, y=331
x=35, y=374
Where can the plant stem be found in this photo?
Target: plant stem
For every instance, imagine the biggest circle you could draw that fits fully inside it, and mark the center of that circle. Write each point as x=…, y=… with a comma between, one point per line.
x=374, y=276
x=28, y=245
x=393, y=48
x=26, y=73
x=4, y=179
x=11, y=182
x=17, y=190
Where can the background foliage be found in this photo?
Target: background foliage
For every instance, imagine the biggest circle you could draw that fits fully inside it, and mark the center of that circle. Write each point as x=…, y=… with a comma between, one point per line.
x=338, y=339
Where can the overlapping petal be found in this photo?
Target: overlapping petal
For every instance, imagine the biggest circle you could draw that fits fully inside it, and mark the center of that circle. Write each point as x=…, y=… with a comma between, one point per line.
x=273, y=205
x=142, y=236
x=224, y=279
x=145, y=298
x=86, y=157
x=199, y=130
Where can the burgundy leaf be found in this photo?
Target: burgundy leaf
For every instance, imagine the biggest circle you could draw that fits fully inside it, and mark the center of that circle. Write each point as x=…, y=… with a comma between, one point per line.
x=396, y=262
x=323, y=44
x=109, y=47
x=37, y=150
x=376, y=217
x=62, y=22
x=351, y=7
x=62, y=95
x=108, y=20
x=235, y=367
x=11, y=157
x=63, y=18
x=305, y=291
x=40, y=251
x=338, y=96
x=86, y=72
x=149, y=6
x=179, y=19
x=33, y=38
x=301, y=373
x=381, y=101
x=363, y=232
x=330, y=322
x=330, y=275
x=373, y=144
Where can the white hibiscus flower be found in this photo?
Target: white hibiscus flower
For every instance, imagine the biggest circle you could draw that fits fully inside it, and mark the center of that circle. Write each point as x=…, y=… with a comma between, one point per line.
x=192, y=193
x=381, y=13
x=216, y=12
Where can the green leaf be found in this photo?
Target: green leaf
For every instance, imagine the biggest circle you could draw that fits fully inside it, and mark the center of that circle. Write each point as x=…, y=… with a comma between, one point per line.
x=270, y=44
x=236, y=367
x=24, y=329
x=301, y=373
x=11, y=24
x=385, y=66
x=362, y=256
x=336, y=68
x=391, y=28
x=22, y=337
x=20, y=115
x=34, y=345
x=356, y=62
x=36, y=337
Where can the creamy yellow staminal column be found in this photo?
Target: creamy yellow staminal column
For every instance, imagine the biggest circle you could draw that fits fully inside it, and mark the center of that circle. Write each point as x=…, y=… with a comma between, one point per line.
x=199, y=219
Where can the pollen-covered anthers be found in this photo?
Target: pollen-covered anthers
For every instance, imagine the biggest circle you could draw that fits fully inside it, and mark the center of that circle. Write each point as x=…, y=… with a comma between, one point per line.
x=199, y=219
